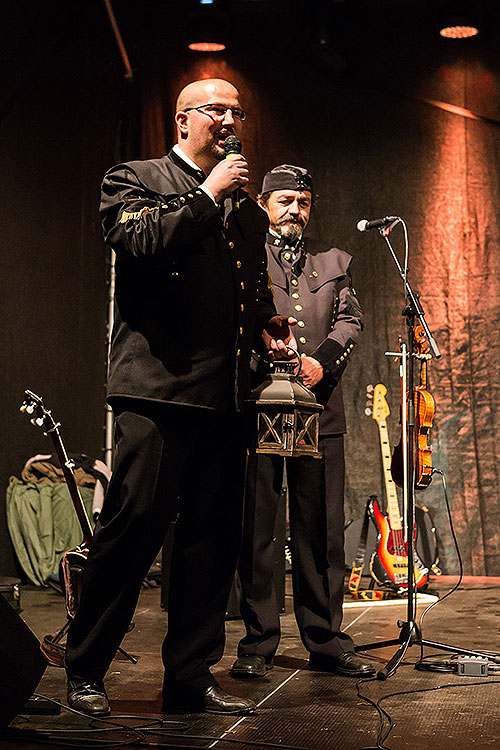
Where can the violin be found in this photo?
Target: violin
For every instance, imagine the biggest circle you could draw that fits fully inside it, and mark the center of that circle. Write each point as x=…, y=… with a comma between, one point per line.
x=424, y=414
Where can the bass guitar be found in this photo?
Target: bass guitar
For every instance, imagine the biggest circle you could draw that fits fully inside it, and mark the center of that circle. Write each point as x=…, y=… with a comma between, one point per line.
x=389, y=561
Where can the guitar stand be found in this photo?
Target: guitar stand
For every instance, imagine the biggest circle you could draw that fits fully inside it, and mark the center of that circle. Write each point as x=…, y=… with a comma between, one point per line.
x=410, y=634
x=53, y=650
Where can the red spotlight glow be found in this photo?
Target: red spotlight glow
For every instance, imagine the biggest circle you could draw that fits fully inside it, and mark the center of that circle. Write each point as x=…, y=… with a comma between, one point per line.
x=459, y=32
x=207, y=46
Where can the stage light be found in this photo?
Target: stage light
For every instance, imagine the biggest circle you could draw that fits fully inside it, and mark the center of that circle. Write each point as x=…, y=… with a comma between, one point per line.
x=458, y=19
x=207, y=28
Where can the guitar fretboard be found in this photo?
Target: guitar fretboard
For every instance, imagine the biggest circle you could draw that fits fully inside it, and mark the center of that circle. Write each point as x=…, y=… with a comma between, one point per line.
x=390, y=487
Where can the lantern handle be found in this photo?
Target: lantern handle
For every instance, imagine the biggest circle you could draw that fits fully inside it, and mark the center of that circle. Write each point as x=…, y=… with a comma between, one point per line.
x=299, y=359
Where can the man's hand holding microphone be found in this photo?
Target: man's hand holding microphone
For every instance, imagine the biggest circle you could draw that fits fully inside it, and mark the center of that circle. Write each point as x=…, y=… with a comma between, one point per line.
x=229, y=174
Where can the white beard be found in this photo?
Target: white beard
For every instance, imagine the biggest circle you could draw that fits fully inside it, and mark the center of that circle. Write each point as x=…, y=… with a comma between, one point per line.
x=290, y=232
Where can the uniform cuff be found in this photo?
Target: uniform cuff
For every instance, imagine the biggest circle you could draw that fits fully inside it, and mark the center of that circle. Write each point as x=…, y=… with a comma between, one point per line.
x=333, y=355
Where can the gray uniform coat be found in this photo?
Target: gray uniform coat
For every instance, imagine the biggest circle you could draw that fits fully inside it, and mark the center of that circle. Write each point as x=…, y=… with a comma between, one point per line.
x=316, y=288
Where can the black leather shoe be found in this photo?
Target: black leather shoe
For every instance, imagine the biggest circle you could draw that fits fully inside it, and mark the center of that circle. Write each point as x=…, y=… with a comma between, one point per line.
x=88, y=696
x=216, y=701
x=212, y=700
x=250, y=665
x=347, y=664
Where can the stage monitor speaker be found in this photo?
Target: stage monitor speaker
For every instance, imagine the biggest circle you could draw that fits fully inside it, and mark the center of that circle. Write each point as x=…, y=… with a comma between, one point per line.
x=22, y=664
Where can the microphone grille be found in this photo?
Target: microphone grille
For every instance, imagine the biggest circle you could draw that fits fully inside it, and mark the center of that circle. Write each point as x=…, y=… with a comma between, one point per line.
x=232, y=145
x=361, y=225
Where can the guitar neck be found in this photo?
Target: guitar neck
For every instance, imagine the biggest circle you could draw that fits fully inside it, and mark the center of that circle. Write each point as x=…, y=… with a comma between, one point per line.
x=390, y=487
x=74, y=492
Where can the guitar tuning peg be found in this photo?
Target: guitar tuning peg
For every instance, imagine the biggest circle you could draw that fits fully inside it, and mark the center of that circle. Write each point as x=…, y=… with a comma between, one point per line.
x=368, y=411
x=369, y=388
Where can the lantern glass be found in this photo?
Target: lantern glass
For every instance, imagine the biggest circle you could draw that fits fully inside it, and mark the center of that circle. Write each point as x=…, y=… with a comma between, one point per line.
x=287, y=415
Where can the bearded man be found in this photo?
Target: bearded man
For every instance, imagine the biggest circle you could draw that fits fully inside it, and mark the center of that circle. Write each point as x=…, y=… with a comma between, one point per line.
x=312, y=281
x=192, y=293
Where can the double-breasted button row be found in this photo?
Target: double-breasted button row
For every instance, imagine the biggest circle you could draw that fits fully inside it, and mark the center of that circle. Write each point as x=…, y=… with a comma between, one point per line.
x=239, y=265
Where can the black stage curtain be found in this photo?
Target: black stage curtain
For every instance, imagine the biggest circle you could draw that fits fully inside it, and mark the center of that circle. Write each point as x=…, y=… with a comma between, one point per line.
x=58, y=123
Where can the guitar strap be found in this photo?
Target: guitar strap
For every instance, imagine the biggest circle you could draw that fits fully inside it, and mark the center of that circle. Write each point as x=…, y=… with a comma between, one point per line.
x=359, y=563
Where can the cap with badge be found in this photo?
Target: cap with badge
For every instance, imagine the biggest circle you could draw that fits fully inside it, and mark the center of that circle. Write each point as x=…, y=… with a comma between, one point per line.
x=287, y=177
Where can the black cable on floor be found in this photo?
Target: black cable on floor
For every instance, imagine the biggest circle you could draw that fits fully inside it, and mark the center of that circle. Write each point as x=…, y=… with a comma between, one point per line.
x=457, y=549
x=158, y=727
x=383, y=714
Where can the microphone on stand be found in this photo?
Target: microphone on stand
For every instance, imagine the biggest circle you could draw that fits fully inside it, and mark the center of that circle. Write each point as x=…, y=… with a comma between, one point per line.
x=364, y=225
x=232, y=145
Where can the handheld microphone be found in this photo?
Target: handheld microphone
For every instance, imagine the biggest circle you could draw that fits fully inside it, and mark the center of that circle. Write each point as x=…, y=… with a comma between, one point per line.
x=364, y=225
x=232, y=145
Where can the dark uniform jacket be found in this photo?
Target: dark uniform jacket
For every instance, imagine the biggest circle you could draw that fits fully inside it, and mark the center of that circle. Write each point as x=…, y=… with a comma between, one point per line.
x=316, y=288
x=192, y=290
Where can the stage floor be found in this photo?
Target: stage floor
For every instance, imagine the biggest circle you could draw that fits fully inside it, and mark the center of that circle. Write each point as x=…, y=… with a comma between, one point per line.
x=296, y=708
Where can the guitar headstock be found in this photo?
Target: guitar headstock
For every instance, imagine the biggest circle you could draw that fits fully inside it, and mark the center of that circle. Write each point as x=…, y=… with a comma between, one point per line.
x=33, y=406
x=379, y=410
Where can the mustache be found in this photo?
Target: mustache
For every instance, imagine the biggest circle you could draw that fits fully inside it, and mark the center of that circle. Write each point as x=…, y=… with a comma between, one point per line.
x=292, y=220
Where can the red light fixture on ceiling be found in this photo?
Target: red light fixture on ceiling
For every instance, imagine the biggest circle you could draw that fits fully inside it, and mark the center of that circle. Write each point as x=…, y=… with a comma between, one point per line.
x=207, y=28
x=207, y=46
x=458, y=19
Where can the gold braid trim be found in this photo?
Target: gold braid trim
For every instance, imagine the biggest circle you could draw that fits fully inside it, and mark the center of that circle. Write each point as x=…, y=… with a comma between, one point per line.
x=135, y=215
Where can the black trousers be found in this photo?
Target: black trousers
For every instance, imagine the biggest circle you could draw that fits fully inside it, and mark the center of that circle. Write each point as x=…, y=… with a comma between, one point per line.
x=168, y=459
x=316, y=506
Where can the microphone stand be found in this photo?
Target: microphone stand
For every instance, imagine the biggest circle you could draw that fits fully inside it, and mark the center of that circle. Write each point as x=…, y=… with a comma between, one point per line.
x=410, y=634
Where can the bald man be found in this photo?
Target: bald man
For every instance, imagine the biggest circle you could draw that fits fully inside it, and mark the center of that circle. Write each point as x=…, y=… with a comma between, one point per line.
x=192, y=293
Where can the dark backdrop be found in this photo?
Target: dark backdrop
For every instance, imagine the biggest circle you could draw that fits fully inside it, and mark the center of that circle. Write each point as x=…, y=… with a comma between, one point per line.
x=366, y=113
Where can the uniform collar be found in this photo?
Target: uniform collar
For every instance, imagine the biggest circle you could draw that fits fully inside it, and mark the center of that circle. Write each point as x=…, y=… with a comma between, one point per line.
x=279, y=246
x=276, y=240
x=184, y=162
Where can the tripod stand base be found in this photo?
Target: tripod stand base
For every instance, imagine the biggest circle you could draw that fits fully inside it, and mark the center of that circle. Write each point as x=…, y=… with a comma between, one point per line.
x=411, y=636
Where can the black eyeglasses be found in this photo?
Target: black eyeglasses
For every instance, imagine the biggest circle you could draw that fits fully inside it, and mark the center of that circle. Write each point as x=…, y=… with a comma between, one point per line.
x=218, y=111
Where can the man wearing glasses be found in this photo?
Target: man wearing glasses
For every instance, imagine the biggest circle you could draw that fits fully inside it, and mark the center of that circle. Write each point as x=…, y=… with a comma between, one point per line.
x=192, y=292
